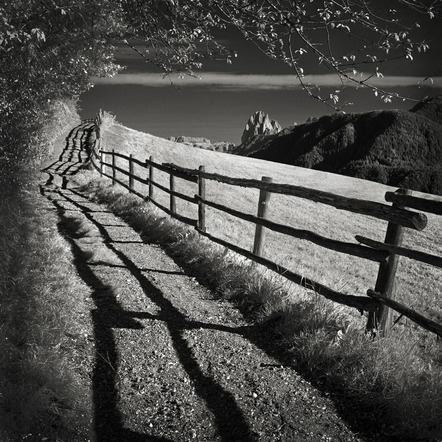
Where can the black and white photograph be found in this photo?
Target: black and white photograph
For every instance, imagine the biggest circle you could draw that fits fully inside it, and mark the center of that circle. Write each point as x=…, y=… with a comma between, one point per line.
x=220, y=220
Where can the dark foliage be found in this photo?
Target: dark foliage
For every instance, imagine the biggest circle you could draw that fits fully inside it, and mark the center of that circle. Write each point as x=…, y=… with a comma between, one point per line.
x=398, y=148
x=431, y=108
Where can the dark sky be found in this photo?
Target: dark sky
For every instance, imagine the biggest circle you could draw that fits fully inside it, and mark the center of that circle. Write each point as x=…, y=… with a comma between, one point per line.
x=218, y=105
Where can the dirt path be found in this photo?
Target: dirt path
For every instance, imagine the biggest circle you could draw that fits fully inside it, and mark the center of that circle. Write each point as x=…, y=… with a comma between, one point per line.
x=166, y=361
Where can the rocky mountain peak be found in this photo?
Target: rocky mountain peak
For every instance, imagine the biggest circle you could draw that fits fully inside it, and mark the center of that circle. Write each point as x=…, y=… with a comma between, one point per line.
x=259, y=124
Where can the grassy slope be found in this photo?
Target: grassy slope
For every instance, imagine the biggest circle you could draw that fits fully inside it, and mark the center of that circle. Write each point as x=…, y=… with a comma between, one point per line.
x=417, y=283
x=40, y=391
x=42, y=395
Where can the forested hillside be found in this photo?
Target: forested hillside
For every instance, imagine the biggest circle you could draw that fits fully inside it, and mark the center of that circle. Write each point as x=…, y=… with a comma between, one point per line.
x=399, y=148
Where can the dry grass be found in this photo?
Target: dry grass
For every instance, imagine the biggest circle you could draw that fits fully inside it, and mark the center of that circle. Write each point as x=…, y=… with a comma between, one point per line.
x=39, y=393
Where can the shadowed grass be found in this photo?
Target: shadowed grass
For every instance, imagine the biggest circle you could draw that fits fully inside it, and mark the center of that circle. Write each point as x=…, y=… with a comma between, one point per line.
x=40, y=396
x=40, y=393
x=394, y=383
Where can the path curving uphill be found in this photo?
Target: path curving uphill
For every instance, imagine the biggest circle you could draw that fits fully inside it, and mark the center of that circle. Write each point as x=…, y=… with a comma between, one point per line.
x=168, y=361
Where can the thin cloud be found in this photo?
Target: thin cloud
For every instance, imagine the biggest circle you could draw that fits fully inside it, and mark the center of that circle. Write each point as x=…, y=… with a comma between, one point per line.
x=253, y=81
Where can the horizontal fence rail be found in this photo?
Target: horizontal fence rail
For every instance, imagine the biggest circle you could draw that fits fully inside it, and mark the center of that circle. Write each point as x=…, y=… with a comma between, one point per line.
x=403, y=217
x=337, y=246
x=409, y=253
x=378, y=302
x=414, y=202
x=361, y=303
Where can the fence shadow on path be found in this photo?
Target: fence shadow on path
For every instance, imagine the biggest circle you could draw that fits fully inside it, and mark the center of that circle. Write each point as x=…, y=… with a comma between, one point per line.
x=361, y=419
x=108, y=315
x=73, y=157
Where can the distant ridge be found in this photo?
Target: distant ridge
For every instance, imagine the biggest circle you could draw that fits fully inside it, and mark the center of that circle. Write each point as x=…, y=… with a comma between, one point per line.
x=431, y=109
x=394, y=147
x=204, y=143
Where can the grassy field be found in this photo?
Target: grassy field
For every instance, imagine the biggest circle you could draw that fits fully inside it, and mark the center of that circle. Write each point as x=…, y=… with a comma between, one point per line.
x=417, y=284
x=41, y=395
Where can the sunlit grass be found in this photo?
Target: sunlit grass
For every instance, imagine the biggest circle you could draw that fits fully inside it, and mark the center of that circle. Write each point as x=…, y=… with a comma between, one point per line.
x=40, y=395
x=417, y=284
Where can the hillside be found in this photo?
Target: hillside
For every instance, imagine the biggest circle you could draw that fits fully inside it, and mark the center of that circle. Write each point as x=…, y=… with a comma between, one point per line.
x=394, y=147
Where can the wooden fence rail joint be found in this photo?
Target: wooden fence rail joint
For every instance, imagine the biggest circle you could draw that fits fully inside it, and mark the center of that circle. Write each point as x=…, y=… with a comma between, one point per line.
x=414, y=202
x=403, y=251
x=382, y=320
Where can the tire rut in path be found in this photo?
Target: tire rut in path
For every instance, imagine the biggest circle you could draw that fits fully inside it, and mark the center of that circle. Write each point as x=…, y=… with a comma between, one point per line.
x=171, y=362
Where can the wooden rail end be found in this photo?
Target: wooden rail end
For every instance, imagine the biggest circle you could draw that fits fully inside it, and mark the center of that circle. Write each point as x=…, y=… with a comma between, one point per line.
x=415, y=202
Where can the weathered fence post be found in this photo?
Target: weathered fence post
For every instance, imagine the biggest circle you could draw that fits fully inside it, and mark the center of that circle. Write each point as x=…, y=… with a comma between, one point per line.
x=172, y=197
x=381, y=321
x=146, y=163
x=263, y=204
x=201, y=205
x=113, y=168
x=96, y=147
x=131, y=174
x=101, y=163
x=151, y=177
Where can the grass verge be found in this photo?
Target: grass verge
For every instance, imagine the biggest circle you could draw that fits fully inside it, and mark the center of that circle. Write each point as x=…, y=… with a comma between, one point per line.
x=393, y=383
x=40, y=394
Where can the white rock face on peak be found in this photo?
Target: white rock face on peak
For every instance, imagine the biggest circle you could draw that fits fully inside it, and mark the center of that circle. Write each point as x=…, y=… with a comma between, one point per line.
x=259, y=124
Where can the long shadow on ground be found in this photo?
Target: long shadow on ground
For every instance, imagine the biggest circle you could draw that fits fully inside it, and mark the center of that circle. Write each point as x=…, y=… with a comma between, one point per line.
x=360, y=418
x=74, y=155
x=108, y=315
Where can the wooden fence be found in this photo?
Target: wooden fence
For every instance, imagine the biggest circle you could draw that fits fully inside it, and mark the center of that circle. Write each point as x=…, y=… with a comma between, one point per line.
x=379, y=301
